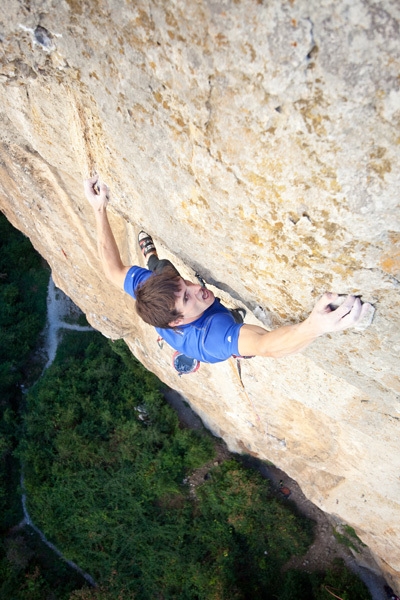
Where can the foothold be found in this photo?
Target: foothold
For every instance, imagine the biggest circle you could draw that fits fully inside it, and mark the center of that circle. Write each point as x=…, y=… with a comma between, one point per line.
x=43, y=37
x=313, y=52
x=278, y=109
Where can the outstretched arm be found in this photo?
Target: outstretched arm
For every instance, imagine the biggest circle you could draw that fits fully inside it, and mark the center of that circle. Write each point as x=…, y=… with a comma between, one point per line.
x=256, y=341
x=113, y=267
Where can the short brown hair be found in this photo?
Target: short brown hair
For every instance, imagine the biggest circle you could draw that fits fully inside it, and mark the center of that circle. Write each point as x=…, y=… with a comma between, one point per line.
x=156, y=298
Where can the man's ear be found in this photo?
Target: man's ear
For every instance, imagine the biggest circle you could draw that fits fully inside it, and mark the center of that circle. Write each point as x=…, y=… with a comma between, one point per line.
x=176, y=322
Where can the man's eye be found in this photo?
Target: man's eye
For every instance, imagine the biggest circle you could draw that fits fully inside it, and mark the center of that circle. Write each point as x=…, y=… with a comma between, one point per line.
x=185, y=298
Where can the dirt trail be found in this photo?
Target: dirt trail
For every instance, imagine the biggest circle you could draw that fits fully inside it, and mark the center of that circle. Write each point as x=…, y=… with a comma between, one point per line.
x=59, y=308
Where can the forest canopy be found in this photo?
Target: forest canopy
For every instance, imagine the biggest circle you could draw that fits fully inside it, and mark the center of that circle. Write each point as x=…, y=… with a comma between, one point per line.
x=23, y=286
x=106, y=464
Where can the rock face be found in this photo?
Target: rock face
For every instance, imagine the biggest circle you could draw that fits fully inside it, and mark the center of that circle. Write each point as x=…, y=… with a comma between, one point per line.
x=259, y=143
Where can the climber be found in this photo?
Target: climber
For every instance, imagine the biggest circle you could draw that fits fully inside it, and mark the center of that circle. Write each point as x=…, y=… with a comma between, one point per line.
x=189, y=317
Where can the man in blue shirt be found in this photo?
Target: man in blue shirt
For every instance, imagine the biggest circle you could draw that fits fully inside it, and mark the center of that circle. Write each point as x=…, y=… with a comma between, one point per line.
x=192, y=320
x=208, y=332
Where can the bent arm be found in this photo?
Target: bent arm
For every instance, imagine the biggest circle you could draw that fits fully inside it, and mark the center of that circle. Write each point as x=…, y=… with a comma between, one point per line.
x=110, y=258
x=256, y=341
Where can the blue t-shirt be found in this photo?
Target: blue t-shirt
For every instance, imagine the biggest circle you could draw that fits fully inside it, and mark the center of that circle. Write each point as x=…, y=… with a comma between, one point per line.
x=212, y=338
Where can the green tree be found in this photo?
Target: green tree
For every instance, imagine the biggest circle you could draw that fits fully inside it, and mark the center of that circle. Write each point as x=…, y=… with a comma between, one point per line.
x=105, y=460
x=23, y=285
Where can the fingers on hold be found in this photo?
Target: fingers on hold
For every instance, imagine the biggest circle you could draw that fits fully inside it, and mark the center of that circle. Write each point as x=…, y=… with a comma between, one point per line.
x=90, y=183
x=329, y=296
x=366, y=307
x=354, y=313
x=356, y=308
x=346, y=306
x=366, y=316
x=350, y=300
x=324, y=303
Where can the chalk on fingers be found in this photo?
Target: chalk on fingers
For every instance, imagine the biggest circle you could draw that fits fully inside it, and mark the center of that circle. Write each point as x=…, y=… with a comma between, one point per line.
x=366, y=318
x=367, y=312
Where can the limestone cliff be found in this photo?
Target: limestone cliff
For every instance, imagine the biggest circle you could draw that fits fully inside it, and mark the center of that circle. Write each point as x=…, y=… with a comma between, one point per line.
x=259, y=143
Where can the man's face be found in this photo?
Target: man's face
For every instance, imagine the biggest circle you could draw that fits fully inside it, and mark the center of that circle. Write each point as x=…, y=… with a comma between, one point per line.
x=192, y=301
